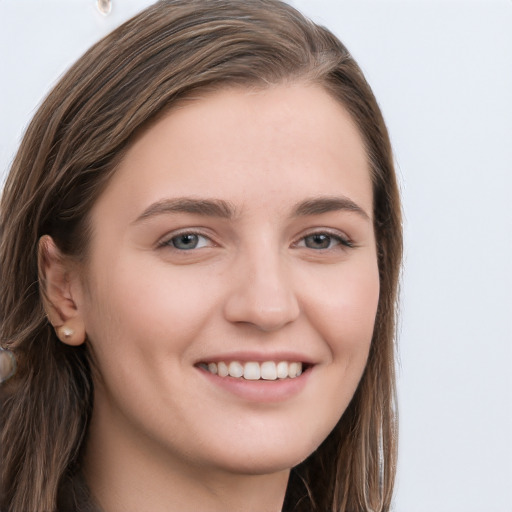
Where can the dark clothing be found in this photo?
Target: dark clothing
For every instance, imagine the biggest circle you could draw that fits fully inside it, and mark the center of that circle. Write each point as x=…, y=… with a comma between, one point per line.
x=74, y=496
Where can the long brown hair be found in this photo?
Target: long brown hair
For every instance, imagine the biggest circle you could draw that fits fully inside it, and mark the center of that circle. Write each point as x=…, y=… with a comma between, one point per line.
x=68, y=154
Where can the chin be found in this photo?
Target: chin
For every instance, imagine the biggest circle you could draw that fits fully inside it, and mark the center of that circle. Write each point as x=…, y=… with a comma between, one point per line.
x=267, y=458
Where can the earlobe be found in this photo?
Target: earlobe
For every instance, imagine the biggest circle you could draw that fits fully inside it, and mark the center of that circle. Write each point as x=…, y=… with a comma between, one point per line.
x=55, y=279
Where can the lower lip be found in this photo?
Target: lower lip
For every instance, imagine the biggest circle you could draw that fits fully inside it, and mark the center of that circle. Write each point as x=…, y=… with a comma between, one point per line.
x=262, y=391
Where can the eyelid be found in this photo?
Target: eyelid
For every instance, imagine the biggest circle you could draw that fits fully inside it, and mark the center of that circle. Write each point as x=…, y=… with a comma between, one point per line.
x=165, y=241
x=344, y=240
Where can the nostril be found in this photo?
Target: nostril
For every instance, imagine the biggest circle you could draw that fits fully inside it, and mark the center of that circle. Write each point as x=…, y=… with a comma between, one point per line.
x=267, y=313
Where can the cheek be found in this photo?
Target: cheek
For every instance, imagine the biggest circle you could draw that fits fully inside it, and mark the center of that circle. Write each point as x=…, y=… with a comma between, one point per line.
x=136, y=309
x=344, y=310
x=346, y=321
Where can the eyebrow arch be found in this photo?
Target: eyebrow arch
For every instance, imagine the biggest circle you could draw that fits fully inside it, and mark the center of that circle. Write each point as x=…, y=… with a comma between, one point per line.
x=317, y=206
x=205, y=207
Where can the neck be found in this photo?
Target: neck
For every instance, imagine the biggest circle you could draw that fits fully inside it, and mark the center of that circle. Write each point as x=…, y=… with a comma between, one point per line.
x=125, y=473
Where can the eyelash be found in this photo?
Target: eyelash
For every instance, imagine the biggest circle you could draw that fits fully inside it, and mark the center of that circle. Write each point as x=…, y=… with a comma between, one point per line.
x=341, y=240
x=169, y=242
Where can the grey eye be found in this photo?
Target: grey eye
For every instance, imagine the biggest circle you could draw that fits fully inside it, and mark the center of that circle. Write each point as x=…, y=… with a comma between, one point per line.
x=320, y=241
x=186, y=241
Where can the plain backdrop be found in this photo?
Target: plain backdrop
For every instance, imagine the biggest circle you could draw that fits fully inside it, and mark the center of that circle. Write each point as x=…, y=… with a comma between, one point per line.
x=442, y=72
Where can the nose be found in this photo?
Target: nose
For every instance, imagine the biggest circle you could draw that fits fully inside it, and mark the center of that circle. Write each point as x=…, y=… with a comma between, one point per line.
x=262, y=293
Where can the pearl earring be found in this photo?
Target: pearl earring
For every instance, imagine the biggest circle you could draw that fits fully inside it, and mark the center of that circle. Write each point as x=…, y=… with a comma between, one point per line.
x=66, y=332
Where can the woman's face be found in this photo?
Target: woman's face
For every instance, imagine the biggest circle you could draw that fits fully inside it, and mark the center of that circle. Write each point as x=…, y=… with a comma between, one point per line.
x=237, y=231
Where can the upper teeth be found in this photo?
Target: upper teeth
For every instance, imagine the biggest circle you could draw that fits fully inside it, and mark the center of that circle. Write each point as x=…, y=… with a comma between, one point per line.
x=268, y=370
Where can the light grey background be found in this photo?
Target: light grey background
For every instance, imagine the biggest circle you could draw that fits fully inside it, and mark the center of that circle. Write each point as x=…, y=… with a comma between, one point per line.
x=442, y=72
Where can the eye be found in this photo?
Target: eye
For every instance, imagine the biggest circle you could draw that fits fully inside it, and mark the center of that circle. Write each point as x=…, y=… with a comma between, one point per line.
x=323, y=241
x=187, y=241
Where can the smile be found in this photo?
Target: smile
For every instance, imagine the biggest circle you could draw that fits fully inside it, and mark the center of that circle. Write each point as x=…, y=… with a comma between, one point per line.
x=267, y=370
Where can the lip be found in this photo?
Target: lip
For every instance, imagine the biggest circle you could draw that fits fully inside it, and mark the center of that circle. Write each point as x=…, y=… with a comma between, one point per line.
x=259, y=391
x=258, y=357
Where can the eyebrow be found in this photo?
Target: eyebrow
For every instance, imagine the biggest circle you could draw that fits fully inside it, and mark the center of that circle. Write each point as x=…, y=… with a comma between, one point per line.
x=225, y=210
x=205, y=207
x=317, y=206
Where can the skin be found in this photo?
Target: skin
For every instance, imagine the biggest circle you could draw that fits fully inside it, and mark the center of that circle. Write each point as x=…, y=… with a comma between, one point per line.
x=163, y=436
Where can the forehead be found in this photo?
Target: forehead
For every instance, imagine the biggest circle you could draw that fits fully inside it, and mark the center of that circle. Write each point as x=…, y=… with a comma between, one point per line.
x=246, y=144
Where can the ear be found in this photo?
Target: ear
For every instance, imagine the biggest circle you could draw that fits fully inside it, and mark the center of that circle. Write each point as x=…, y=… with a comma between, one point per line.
x=57, y=281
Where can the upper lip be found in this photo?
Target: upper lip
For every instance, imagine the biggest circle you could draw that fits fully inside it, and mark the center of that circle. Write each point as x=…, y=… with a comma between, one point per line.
x=258, y=357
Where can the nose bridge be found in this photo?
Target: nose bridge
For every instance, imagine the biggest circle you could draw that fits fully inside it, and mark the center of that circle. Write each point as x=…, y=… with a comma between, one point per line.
x=262, y=293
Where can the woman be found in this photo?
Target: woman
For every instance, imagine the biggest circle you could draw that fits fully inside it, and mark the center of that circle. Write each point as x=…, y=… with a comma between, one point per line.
x=200, y=248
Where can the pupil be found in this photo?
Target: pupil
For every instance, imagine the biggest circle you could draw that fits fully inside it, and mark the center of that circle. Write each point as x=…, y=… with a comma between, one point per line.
x=318, y=241
x=185, y=241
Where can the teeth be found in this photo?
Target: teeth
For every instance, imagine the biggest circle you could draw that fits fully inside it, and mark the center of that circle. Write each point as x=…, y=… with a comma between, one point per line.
x=252, y=371
x=282, y=370
x=235, y=369
x=292, y=370
x=268, y=370
x=222, y=369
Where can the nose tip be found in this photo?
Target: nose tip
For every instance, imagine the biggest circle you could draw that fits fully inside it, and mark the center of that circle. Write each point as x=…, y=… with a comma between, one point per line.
x=266, y=301
x=267, y=317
